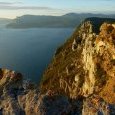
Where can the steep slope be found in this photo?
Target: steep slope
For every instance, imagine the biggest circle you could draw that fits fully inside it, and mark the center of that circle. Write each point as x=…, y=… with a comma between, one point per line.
x=84, y=65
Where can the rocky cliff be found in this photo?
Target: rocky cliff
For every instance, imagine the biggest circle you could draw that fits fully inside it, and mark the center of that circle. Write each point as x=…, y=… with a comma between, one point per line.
x=79, y=80
x=84, y=64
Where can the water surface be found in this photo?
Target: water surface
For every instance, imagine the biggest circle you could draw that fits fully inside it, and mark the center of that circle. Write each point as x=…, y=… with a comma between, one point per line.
x=29, y=51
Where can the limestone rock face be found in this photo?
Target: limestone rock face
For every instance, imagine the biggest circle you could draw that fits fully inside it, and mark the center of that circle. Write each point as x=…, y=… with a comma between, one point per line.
x=87, y=65
x=86, y=68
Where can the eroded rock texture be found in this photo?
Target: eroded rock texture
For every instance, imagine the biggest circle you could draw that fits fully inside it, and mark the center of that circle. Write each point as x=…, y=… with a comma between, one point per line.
x=85, y=65
x=18, y=97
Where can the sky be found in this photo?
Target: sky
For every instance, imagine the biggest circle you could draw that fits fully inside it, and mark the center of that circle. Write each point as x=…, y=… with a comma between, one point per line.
x=13, y=8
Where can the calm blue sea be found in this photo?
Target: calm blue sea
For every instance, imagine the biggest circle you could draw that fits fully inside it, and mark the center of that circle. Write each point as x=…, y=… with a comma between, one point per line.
x=29, y=51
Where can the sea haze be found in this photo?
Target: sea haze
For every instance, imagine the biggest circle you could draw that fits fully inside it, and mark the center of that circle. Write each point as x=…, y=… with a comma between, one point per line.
x=29, y=51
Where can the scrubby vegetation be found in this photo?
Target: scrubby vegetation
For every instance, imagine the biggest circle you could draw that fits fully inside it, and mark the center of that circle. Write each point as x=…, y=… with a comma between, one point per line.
x=63, y=60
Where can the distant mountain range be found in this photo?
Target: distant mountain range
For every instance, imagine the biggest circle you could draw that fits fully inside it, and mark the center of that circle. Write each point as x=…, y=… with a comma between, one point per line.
x=70, y=20
x=5, y=21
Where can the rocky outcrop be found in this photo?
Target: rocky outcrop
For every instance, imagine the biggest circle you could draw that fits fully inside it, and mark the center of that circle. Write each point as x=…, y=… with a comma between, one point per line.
x=18, y=97
x=87, y=62
x=87, y=65
x=14, y=93
x=80, y=79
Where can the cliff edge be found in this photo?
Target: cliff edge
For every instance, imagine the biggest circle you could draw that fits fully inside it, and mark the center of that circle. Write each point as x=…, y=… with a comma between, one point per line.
x=85, y=64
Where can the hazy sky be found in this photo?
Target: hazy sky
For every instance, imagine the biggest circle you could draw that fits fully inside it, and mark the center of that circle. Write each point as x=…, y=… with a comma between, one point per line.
x=13, y=8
